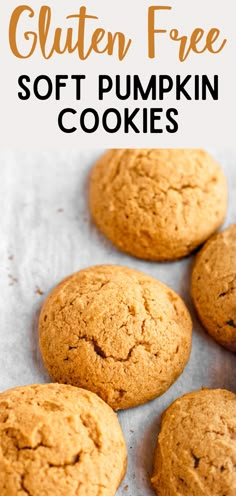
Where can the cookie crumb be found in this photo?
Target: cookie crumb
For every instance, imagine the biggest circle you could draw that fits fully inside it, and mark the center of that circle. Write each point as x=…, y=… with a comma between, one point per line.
x=126, y=488
x=11, y=257
x=13, y=280
x=38, y=291
x=60, y=210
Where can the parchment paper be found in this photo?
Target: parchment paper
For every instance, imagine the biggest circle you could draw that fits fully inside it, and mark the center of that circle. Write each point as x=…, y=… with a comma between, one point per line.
x=45, y=235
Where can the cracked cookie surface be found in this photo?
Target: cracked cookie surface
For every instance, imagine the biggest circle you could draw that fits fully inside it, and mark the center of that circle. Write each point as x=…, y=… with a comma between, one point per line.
x=157, y=204
x=117, y=332
x=57, y=440
x=196, y=449
x=214, y=287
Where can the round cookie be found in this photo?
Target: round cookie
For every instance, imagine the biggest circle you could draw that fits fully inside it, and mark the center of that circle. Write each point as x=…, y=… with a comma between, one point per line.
x=214, y=287
x=117, y=332
x=196, y=450
x=157, y=204
x=59, y=440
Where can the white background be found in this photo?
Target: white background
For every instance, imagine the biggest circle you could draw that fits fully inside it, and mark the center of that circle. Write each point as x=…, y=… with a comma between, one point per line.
x=34, y=122
x=46, y=234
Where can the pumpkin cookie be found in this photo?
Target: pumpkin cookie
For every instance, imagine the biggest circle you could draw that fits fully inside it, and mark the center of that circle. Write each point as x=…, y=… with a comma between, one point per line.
x=117, y=332
x=214, y=287
x=157, y=204
x=58, y=440
x=196, y=450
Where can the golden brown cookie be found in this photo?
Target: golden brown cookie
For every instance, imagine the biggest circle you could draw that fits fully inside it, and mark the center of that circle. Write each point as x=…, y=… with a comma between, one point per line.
x=214, y=287
x=57, y=440
x=117, y=332
x=196, y=450
x=157, y=204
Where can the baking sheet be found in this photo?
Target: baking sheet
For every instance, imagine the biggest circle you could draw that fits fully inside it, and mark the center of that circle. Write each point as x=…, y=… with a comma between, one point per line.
x=46, y=234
